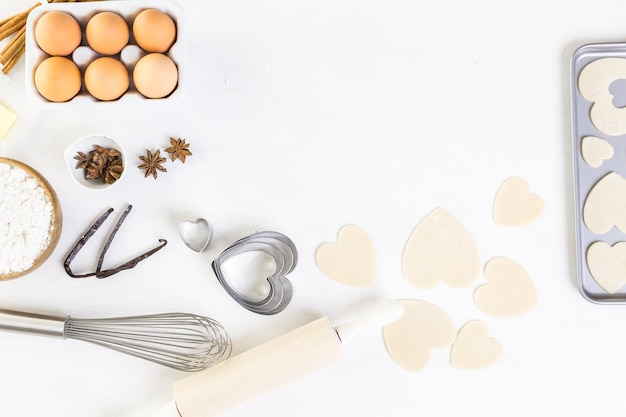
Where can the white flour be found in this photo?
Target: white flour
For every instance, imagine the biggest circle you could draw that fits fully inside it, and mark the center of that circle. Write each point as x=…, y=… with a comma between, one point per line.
x=25, y=219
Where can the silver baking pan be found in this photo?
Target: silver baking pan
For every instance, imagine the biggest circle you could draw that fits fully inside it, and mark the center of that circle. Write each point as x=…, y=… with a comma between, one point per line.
x=587, y=176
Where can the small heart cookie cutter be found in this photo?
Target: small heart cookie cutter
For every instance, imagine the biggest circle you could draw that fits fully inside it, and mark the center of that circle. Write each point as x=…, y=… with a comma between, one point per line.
x=196, y=234
x=285, y=256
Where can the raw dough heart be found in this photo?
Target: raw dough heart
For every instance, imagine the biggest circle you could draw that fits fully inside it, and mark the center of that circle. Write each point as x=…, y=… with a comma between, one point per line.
x=473, y=348
x=196, y=234
x=423, y=327
x=351, y=261
x=515, y=205
x=440, y=249
x=605, y=205
x=594, y=84
x=607, y=265
x=595, y=151
x=509, y=290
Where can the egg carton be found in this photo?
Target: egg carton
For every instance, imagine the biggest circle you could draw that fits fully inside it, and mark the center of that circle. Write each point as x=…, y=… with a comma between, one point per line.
x=83, y=55
x=599, y=160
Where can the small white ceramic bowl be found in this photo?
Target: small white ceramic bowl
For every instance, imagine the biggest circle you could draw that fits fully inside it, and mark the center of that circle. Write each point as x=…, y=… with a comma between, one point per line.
x=85, y=145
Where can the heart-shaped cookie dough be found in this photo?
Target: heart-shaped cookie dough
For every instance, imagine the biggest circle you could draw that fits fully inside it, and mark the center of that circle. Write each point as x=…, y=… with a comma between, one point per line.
x=423, y=327
x=515, y=205
x=440, y=249
x=196, y=234
x=605, y=205
x=473, y=348
x=595, y=151
x=351, y=261
x=594, y=83
x=607, y=265
x=509, y=290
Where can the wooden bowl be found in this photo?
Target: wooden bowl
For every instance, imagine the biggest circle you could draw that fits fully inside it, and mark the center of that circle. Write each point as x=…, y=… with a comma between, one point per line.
x=57, y=218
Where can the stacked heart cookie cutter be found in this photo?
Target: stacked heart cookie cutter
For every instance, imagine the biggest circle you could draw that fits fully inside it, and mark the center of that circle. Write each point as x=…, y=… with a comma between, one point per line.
x=197, y=235
x=598, y=89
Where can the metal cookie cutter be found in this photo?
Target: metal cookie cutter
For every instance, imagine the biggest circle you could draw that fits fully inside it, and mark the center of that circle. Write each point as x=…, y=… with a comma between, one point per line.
x=196, y=234
x=279, y=247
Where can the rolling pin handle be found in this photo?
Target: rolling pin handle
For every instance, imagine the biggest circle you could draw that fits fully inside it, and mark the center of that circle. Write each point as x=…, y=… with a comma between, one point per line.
x=384, y=314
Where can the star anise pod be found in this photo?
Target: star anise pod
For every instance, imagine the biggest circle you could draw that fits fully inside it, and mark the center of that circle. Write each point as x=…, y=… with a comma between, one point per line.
x=93, y=171
x=152, y=163
x=83, y=160
x=110, y=153
x=96, y=165
x=113, y=171
x=178, y=150
x=101, y=163
x=99, y=158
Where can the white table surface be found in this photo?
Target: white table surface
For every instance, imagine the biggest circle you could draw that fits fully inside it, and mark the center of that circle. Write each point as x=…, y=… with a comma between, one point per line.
x=304, y=117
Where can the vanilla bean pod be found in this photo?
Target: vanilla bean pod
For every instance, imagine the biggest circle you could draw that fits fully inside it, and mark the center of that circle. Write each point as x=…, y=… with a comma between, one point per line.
x=81, y=242
x=99, y=273
x=111, y=236
x=132, y=263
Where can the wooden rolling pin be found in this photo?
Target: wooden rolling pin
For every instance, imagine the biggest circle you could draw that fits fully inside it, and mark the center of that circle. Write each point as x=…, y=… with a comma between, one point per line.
x=271, y=364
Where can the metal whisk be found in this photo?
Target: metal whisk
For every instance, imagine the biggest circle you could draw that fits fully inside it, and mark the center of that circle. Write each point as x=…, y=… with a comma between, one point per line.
x=181, y=341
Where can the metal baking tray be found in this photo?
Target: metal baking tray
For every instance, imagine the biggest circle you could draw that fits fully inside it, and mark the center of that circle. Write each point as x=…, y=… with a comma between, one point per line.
x=586, y=176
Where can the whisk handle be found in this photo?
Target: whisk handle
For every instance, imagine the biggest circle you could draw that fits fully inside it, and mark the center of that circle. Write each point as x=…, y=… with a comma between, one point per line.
x=32, y=323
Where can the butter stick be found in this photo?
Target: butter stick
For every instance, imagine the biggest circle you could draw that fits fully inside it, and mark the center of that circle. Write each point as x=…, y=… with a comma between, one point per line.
x=7, y=120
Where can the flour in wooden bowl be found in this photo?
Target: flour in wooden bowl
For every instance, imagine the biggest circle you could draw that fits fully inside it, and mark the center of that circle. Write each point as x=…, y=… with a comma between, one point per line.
x=30, y=219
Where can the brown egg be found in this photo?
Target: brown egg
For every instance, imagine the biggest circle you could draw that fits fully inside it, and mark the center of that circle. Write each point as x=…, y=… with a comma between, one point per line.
x=155, y=75
x=57, y=79
x=154, y=30
x=57, y=33
x=107, y=33
x=106, y=79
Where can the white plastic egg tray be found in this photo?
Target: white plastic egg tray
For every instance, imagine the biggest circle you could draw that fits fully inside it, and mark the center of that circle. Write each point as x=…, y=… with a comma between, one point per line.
x=83, y=55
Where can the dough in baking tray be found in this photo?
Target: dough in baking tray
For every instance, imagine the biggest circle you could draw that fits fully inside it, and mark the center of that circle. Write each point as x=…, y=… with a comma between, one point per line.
x=605, y=205
x=594, y=83
x=595, y=151
x=607, y=265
